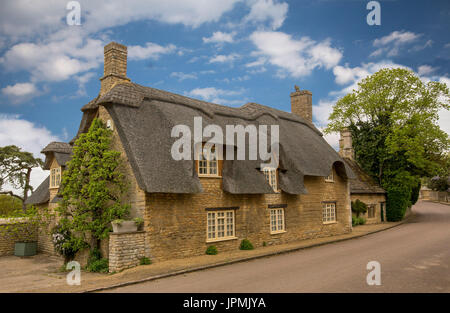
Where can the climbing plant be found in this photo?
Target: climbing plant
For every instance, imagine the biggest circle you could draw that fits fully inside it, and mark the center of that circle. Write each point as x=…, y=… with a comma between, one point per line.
x=93, y=191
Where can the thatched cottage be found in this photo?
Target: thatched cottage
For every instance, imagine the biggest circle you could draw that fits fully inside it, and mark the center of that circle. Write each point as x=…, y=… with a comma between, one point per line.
x=189, y=205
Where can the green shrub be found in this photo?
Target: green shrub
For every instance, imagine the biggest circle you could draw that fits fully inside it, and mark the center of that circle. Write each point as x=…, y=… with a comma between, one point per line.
x=264, y=244
x=246, y=245
x=359, y=207
x=145, y=261
x=358, y=221
x=415, y=192
x=211, y=250
x=98, y=266
x=96, y=263
x=139, y=221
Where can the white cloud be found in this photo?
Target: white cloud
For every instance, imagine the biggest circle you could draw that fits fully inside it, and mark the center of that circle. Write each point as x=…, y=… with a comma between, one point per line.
x=22, y=18
x=54, y=60
x=29, y=137
x=19, y=90
x=392, y=43
x=39, y=42
x=182, y=76
x=267, y=10
x=424, y=70
x=220, y=37
x=295, y=57
x=220, y=58
x=149, y=51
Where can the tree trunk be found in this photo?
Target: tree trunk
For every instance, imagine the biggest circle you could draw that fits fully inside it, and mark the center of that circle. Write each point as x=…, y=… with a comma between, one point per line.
x=25, y=189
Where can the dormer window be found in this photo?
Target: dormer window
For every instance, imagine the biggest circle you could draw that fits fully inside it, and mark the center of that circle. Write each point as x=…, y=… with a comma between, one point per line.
x=55, y=177
x=270, y=174
x=209, y=165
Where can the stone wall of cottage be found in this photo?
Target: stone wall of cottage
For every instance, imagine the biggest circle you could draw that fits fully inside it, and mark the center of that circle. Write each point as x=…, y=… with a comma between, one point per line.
x=15, y=230
x=371, y=199
x=176, y=224
x=125, y=250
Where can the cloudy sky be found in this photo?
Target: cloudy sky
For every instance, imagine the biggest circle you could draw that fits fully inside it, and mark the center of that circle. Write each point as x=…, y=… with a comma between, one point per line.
x=225, y=51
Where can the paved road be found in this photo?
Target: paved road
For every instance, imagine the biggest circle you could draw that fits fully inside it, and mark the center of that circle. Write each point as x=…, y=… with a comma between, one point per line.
x=414, y=257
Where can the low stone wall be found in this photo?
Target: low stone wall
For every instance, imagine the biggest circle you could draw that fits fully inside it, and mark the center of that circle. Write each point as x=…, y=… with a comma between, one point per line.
x=431, y=195
x=125, y=250
x=13, y=230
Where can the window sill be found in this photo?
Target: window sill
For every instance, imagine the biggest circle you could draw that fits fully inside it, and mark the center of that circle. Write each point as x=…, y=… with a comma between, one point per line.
x=221, y=239
x=277, y=232
x=329, y=181
x=208, y=176
x=329, y=223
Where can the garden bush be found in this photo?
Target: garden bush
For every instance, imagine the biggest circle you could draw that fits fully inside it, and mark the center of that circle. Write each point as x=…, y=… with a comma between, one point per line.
x=145, y=261
x=212, y=250
x=246, y=245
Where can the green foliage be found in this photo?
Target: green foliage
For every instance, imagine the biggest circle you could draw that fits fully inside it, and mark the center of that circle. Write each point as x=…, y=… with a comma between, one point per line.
x=399, y=189
x=63, y=242
x=9, y=206
x=96, y=263
x=93, y=189
x=33, y=218
x=358, y=221
x=358, y=207
x=393, y=117
x=139, y=222
x=438, y=183
x=264, y=244
x=15, y=170
x=211, y=250
x=145, y=261
x=246, y=245
x=98, y=266
x=415, y=192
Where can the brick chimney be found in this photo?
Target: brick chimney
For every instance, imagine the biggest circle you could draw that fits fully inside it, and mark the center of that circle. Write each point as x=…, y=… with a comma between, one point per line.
x=115, y=66
x=301, y=103
x=345, y=144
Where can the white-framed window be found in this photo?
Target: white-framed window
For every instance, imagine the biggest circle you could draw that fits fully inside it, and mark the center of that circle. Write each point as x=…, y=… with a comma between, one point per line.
x=330, y=178
x=208, y=166
x=55, y=177
x=270, y=174
x=277, y=220
x=329, y=212
x=220, y=225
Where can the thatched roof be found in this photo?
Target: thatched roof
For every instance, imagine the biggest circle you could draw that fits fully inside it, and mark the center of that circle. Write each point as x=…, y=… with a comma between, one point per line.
x=363, y=183
x=144, y=118
x=41, y=194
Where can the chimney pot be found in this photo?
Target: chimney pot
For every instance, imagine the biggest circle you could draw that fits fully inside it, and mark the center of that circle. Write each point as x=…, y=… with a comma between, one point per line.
x=301, y=103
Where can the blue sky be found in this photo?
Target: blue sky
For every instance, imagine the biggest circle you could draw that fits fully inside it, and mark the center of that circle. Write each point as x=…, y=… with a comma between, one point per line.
x=228, y=52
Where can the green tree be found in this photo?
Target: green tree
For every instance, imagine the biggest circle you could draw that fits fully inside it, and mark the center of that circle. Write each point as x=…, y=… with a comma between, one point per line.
x=393, y=117
x=9, y=205
x=93, y=189
x=15, y=170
